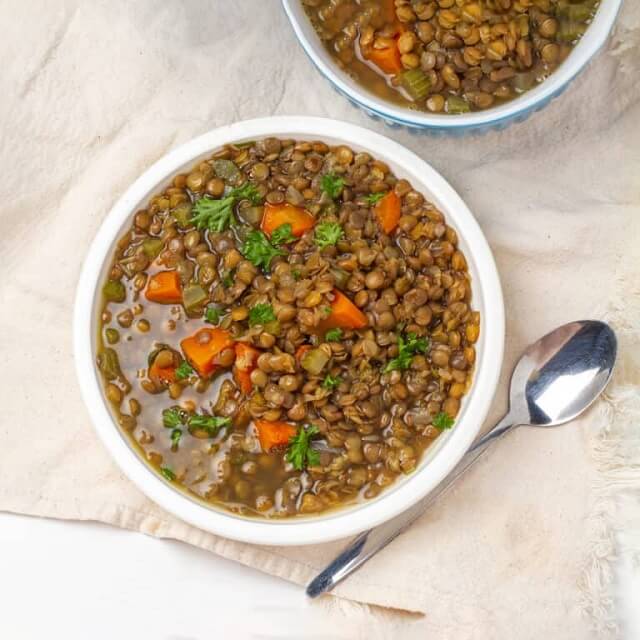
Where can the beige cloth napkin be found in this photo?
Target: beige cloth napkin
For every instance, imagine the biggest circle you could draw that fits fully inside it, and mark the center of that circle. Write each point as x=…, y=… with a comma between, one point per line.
x=93, y=93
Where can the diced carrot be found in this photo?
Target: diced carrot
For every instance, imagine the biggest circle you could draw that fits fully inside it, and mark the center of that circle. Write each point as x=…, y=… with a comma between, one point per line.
x=246, y=362
x=344, y=314
x=202, y=348
x=301, y=350
x=275, y=215
x=274, y=434
x=387, y=60
x=388, y=212
x=164, y=375
x=164, y=287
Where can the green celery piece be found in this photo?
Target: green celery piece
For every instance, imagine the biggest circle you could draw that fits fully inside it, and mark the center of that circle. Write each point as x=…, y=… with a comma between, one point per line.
x=457, y=105
x=415, y=83
x=114, y=291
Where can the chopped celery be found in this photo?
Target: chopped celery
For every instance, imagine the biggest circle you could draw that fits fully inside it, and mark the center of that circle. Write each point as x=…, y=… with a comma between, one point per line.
x=193, y=296
x=570, y=30
x=524, y=81
x=182, y=214
x=456, y=104
x=314, y=361
x=108, y=363
x=272, y=327
x=152, y=247
x=114, y=291
x=226, y=170
x=580, y=12
x=415, y=83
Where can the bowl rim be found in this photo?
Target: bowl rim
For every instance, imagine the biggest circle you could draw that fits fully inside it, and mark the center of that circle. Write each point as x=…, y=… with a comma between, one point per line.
x=593, y=39
x=343, y=522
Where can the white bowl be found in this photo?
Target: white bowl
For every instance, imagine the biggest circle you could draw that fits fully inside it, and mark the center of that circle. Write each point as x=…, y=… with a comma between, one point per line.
x=497, y=117
x=438, y=460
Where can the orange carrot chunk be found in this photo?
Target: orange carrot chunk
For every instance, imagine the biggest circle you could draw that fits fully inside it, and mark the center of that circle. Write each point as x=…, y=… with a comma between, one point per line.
x=388, y=212
x=164, y=287
x=274, y=434
x=202, y=348
x=387, y=60
x=275, y=215
x=344, y=314
x=246, y=362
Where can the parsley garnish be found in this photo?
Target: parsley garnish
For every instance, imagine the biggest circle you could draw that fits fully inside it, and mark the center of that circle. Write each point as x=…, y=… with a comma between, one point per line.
x=332, y=185
x=327, y=234
x=217, y=215
x=171, y=418
x=373, y=198
x=443, y=421
x=176, y=434
x=282, y=235
x=259, y=251
x=174, y=418
x=185, y=370
x=407, y=348
x=168, y=474
x=333, y=335
x=331, y=382
x=210, y=424
x=261, y=313
x=212, y=315
x=299, y=452
x=297, y=274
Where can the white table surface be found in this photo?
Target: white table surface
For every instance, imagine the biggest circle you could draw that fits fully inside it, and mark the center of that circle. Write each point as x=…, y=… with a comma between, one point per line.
x=76, y=580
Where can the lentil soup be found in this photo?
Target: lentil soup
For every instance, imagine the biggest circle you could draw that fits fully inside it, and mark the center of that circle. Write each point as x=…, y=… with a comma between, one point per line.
x=286, y=328
x=449, y=56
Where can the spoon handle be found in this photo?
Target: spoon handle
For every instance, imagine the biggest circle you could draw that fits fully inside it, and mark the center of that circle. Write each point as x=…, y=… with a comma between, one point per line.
x=368, y=543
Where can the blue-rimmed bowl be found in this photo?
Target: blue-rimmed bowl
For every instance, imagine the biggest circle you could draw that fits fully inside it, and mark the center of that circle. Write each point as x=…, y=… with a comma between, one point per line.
x=497, y=117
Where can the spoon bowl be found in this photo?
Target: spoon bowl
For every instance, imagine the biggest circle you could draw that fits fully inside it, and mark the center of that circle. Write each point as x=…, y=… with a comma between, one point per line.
x=560, y=375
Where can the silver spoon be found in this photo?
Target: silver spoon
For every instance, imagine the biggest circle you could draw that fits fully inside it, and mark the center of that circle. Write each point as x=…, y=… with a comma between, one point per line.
x=556, y=379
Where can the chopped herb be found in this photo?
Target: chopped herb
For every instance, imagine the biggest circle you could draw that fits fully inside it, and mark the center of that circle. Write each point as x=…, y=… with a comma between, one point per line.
x=171, y=418
x=185, y=370
x=212, y=315
x=330, y=382
x=332, y=185
x=373, y=198
x=259, y=251
x=299, y=452
x=210, y=424
x=282, y=235
x=217, y=215
x=443, y=421
x=168, y=474
x=326, y=311
x=327, y=234
x=261, y=313
x=176, y=434
x=333, y=335
x=227, y=279
x=297, y=274
x=407, y=348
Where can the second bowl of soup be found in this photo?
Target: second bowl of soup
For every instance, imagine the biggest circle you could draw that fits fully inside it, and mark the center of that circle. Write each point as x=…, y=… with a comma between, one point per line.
x=451, y=65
